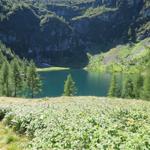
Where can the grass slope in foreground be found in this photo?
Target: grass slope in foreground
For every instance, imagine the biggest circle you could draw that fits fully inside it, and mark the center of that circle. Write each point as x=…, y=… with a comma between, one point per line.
x=79, y=122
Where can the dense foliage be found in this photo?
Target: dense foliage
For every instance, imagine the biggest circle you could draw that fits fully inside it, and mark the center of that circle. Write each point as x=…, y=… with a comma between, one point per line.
x=134, y=86
x=17, y=77
x=80, y=123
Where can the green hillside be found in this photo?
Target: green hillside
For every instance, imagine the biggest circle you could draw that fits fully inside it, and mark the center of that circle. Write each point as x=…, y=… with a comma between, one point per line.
x=123, y=58
x=79, y=122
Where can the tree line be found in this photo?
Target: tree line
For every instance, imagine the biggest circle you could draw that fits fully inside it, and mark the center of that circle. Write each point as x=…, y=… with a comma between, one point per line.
x=133, y=86
x=18, y=78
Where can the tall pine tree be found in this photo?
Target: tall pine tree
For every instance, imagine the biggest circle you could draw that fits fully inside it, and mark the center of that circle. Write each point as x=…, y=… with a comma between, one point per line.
x=5, y=79
x=33, y=80
x=138, y=84
x=146, y=86
x=128, y=87
x=17, y=79
x=69, y=87
x=114, y=90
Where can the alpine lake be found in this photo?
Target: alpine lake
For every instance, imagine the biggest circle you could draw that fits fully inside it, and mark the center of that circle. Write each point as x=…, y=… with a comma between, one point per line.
x=87, y=83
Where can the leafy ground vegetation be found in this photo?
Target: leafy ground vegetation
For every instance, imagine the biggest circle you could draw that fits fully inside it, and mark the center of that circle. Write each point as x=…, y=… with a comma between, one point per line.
x=79, y=122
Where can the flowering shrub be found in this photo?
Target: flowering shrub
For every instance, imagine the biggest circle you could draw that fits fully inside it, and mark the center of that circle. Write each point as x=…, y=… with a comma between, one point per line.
x=84, y=124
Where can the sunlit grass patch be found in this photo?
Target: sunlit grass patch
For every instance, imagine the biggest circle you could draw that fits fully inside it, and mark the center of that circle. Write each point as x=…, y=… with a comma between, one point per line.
x=9, y=140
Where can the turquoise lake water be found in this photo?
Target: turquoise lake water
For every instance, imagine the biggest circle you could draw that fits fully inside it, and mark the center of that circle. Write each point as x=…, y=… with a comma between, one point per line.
x=87, y=83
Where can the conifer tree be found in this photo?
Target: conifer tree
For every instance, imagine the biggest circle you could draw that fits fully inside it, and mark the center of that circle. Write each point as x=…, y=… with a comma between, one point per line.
x=24, y=68
x=128, y=87
x=113, y=87
x=5, y=79
x=2, y=58
x=33, y=80
x=16, y=77
x=146, y=87
x=138, y=84
x=69, y=87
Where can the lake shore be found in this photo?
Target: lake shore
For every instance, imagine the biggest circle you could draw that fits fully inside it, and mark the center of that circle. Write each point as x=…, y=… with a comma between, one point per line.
x=51, y=69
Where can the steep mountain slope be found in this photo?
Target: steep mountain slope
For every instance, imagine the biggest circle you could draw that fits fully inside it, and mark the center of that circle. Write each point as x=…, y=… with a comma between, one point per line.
x=106, y=26
x=61, y=33
x=46, y=38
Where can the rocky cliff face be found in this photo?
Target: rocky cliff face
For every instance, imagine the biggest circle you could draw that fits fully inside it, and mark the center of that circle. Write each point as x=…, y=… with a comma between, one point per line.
x=63, y=34
x=46, y=39
x=116, y=26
